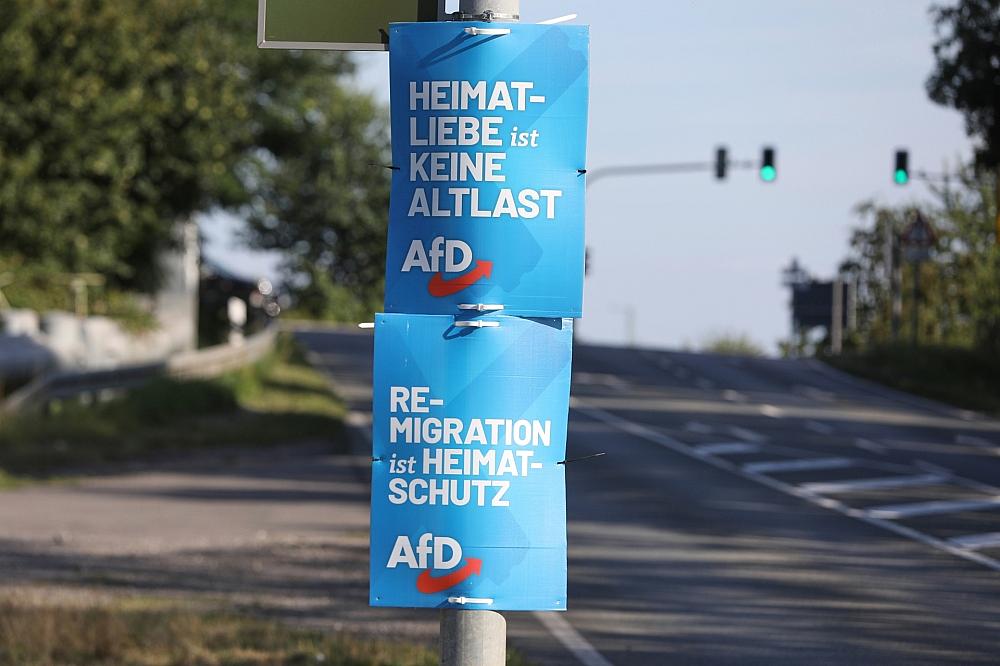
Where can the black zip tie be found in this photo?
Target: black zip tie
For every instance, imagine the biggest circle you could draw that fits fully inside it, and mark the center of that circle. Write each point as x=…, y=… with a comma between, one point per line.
x=581, y=171
x=374, y=460
x=572, y=460
x=386, y=166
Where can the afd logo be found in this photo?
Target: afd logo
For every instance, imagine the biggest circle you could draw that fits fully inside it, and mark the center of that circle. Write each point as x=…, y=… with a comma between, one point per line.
x=443, y=256
x=442, y=553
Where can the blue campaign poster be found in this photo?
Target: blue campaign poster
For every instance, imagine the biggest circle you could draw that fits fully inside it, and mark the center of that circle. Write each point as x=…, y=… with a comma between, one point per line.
x=468, y=498
x=489, y=137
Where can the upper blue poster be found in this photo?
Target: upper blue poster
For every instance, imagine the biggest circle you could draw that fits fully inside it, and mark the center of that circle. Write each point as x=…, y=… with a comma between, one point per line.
x=468, y=433
x=489, y=138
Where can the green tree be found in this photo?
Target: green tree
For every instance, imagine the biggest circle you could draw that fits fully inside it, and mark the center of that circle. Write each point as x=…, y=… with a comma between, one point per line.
x=959, y=301
x=116, y=120
x=967, y=76
x=323, y=194
x=119, y=118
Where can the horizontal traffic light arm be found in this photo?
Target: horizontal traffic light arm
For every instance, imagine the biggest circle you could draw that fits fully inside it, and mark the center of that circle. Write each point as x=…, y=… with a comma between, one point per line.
x=601, y=173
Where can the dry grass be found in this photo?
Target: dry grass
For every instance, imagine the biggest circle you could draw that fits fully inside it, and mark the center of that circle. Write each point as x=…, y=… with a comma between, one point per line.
x=147, y=633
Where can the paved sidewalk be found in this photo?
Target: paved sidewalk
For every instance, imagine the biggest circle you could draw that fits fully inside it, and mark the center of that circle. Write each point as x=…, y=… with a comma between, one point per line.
x=282, y=532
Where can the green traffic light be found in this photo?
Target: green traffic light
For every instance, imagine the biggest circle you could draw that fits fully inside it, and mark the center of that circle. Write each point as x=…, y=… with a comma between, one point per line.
x=902, y=177
x=768, y=173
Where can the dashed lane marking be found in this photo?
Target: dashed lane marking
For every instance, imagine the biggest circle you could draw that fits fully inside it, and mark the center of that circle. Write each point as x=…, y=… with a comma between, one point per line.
x=976, y=541
x=748, y=435
x=915, y=509
x=727, y=448
x=863, y=485
x=870, y=446
x=698, y=427
x=819, y=428
x=571, y=639
x=978, y=442
x=734, y=396
x=771, y=411
x=667, y=442
x=806, y=465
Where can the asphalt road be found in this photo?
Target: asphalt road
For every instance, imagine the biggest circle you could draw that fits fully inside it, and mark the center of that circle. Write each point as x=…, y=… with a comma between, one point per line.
x=759, y=511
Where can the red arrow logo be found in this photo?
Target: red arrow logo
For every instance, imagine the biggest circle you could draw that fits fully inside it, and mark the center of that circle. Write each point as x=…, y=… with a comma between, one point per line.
x=439, y=287
x=429, y=585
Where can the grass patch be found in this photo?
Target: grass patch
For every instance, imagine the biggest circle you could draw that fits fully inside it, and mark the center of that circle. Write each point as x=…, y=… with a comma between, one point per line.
x=144, y=633
x=962, y=377
x=277, y=400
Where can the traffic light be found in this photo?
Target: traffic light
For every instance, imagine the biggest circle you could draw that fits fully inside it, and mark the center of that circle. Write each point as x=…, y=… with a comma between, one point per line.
x=902, y=172
x=721, y=162
x=768, y=167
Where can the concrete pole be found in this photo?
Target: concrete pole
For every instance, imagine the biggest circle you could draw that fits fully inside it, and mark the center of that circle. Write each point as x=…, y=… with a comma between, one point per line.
x=473, y=638
x=477, y=637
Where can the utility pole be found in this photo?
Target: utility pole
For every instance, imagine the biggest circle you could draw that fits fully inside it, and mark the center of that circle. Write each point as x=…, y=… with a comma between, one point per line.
x=915, y=314
x=477, y=637
x=837, y=325
x=895, y=280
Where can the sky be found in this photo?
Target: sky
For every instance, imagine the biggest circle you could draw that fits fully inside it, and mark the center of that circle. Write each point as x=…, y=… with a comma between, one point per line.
x=836, y=86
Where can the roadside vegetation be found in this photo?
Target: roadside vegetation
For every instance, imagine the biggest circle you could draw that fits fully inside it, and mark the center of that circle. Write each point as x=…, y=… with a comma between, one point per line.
x=962, y=377
x=932, y=327
x=142, y=632
x=732, y=344
x=280, y=399
x=153, y=632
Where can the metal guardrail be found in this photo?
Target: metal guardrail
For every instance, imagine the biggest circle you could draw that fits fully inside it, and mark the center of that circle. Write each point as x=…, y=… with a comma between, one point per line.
x=199, y=364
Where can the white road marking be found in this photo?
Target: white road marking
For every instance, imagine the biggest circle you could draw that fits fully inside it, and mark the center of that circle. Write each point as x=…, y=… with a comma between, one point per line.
x=819, y=428
x=814, y=393
x=869, y=445
x=805, y=465
x=748, y=435
x=698, y=427
x=771, y=411
x=733, y=396
x=976, y=541
x=571, y=639
x=672, y=444
x=884, y=483
x=980, y=442
x=727, y=448
x=937, y=507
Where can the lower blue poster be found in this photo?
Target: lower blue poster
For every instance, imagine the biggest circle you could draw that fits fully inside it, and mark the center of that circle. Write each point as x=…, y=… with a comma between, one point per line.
x=468, y=496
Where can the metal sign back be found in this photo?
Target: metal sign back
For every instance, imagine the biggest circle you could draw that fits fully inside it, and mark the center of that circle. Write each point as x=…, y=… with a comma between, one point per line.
x=336, y=25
